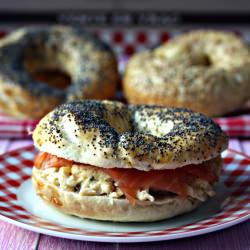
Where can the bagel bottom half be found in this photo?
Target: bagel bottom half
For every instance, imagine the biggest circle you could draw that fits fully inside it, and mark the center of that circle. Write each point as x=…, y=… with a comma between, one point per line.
x=107, y=209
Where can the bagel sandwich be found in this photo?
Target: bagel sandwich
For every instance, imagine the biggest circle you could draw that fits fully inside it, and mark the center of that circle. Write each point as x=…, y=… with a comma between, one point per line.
x=105, y=160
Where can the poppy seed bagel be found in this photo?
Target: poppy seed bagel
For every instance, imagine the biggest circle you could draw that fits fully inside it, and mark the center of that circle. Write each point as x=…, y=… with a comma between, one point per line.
x=90, y=64
x=111, y=134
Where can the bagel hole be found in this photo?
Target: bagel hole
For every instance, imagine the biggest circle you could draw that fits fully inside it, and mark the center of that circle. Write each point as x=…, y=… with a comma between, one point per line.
x=53, y=77
x=203, y=60
x=207, y=61
x=46, y=64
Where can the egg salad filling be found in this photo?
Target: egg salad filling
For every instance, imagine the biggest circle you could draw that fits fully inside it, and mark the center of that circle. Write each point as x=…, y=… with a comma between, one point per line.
x=90, y=181
x=87, y=181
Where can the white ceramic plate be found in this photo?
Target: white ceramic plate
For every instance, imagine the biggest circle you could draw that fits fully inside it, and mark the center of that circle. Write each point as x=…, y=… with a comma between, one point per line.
x=21, y=206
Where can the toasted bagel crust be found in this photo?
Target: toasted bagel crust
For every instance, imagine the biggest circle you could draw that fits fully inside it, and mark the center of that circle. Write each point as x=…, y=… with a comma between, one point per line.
x=111, y=134
x=207, y=71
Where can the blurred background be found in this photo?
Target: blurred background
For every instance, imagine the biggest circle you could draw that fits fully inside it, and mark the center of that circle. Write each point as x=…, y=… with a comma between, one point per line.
x=130, y=25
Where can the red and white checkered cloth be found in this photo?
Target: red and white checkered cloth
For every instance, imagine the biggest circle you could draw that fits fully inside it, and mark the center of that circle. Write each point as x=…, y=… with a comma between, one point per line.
x=12, y=128
x=238, y=126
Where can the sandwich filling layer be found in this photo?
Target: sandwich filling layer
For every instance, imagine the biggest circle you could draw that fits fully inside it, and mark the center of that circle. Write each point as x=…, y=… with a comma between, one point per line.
x=191, y=181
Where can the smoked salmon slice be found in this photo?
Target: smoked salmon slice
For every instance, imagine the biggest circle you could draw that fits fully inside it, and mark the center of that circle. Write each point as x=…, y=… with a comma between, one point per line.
x=202, y=172
x=46, y=160
x=131, y=180
x=174, y=180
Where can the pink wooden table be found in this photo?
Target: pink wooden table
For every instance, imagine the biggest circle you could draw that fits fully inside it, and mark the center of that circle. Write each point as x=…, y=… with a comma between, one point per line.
x=12, y=237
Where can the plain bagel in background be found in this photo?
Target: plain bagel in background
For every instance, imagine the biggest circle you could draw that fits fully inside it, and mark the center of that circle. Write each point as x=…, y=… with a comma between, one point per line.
x=207, y=71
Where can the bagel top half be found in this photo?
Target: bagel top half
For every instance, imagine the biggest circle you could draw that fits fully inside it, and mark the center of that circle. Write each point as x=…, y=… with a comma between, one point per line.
x=110, y=134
